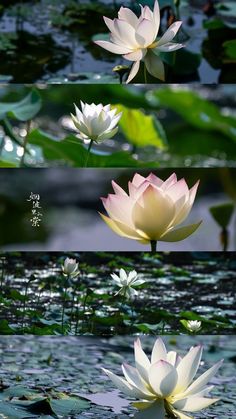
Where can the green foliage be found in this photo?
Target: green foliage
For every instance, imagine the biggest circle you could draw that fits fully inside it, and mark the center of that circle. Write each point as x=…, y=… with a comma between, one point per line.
x=140, y=129
x=5, y=329
x=6, y=164
x=69, y=406
x=183, y=62
x=222, y=213
x=6, y=42
x=184, y=323
x=230, y=51
x=24, y=110
x=71, y=152
x=197, y=111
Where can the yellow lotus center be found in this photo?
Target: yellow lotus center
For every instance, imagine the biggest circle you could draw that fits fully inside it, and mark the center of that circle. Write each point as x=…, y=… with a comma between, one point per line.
x=153, y=45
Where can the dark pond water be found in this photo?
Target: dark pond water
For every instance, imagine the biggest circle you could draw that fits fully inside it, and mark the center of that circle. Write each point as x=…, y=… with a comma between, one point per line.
x=177, y=286
x=73, y=365
x=51, y=41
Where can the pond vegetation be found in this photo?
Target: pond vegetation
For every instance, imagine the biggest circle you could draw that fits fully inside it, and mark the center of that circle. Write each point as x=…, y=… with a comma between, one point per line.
x=36, y=298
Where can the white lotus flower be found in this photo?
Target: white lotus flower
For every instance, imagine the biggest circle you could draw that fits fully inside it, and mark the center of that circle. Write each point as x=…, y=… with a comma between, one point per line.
x=127, y=282
x=136, y=39
x=70, y=268
x=193, y=325
x=164, y=384
x=96, y=122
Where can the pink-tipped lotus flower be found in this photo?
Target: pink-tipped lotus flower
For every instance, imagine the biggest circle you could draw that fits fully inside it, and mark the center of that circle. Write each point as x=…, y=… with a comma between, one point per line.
x=136, y=39
x=152, y=209
x=164, y=385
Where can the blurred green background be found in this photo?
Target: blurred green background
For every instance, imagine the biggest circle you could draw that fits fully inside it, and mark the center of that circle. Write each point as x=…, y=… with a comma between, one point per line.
x=160, y=127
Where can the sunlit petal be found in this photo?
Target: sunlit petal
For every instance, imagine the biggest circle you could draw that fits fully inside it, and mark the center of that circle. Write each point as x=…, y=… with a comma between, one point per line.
x=170, y=33
x=180, y=233
x=163, y=378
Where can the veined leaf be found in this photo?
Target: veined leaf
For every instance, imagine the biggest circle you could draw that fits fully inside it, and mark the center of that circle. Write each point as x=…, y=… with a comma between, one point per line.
x=71, y=152
x=140, y=129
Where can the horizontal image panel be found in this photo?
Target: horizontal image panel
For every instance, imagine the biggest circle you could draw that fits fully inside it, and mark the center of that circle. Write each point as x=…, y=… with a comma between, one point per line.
x=117, y=293
x=101, y=42
x=117, y=210
x=56, y=376
x=117, y=126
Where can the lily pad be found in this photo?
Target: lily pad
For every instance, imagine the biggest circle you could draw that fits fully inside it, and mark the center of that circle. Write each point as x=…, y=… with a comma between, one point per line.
x=69, y=406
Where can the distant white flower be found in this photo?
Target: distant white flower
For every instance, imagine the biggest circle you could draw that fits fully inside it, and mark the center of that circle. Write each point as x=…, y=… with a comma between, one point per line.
x=70, y=268
x=96, y=122
x=127, y=282
x=193, y=325
x=136, y=39
x=165, y=384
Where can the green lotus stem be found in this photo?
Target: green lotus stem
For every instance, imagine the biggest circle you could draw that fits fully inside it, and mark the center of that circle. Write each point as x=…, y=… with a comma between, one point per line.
x=77, y=318
x=177, y=6
x=84, y=303
x=2, y=274
x=145, y=74
x=72, y=306
x=168, y=410
x=224, y=236
x=132, y=313
x=153, y=246
x=2, y=144
x=88, y=153
x=64, y=304
x=24, y=306
x=8, y=131
x=22, y=161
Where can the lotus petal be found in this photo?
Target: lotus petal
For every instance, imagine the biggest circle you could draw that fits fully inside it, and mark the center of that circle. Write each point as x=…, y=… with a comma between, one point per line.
x=155, y=65
x=187, y=368
x=133, y=72
x=159, y=351
x=116, y=49
x=169, y=34
x=194, y=404
x=180, y=233
x=163, y=378
x=154, y=215
x=141, y=360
